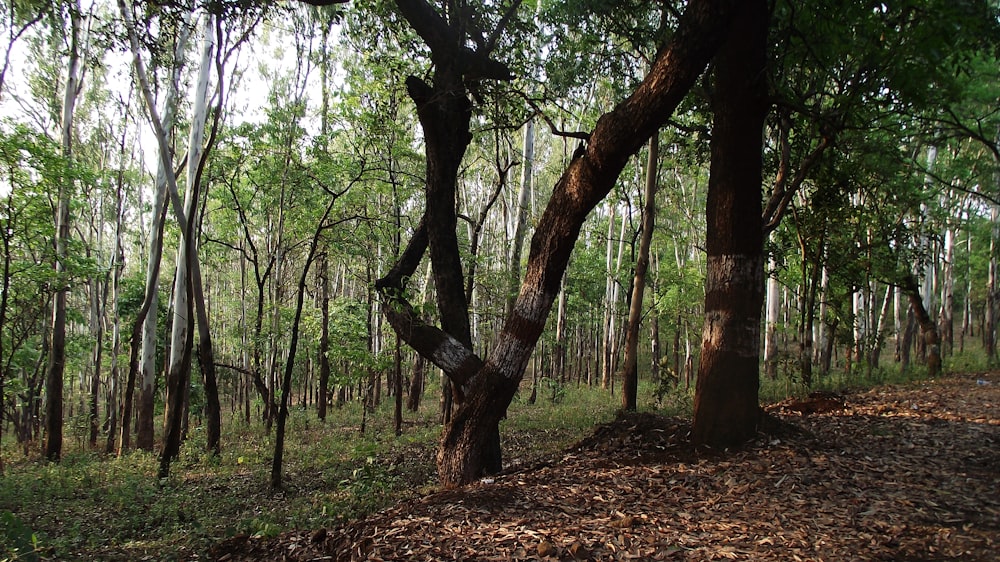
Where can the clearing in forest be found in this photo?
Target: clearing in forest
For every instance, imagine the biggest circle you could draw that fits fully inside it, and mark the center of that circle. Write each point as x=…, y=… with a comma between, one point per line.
x=894, y=473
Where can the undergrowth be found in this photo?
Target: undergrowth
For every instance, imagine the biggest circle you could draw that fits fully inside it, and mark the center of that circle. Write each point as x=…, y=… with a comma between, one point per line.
x=94, y=507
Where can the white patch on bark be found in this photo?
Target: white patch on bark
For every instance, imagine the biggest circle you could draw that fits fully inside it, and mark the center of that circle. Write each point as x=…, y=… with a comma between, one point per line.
x=450, y=355
x=533, y=304
x=724, y=330
x=511, y=355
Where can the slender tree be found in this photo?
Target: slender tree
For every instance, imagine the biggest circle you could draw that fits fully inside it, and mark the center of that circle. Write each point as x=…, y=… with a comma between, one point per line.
x=57, y=346
x=630, y=380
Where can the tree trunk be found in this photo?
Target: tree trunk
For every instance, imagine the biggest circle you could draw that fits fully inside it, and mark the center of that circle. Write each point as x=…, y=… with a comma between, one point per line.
x=559, y=353
x=147, y=390
x=928, y=328
x=607, y=326
x=198, y=156
x=878, y=337
x=324, y=338
x=907, y=344
x=470, y=445
x=726, y=409
x=293, y=342
x=185, y=279
x=946, y=315
x=521, y=215
x=773, y=300
x=992, y=291
x=57, y=347
x=397, y=386
x=630, y=380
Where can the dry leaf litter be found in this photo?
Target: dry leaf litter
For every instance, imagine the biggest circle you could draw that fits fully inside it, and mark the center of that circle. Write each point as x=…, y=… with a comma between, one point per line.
x=909, y=473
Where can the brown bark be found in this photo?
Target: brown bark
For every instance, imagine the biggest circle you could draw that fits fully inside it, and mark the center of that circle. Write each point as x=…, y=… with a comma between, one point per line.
x=416, y=384
x=57, y=350
x=726, y=410
x=928, y=328
x=470, y=445
x=324, y=338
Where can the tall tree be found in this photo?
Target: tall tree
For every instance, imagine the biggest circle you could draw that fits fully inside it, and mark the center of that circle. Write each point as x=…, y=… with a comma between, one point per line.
x=57, y=347
x=726, y=410
x=150, y=310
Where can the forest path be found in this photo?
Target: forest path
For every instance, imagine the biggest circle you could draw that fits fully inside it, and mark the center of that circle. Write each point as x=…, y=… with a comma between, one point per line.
x=902, y=473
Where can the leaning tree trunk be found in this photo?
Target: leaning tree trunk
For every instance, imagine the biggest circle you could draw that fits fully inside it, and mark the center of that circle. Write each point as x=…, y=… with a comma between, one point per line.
x=293, y=342
x=630, y=380
x=187, y=279
x=57, y=349
x=469, y=447
x=150, y=339
x=726, y=409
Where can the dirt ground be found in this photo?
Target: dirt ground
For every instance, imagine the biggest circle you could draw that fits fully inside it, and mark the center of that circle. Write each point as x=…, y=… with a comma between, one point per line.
x=908, y=473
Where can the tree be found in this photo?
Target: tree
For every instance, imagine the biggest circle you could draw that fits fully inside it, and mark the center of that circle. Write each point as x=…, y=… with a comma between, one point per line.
x=726, y=411
x=469, y=446
x=187, y=278
x=630, y=380
x=147, y=319
x=57, y=347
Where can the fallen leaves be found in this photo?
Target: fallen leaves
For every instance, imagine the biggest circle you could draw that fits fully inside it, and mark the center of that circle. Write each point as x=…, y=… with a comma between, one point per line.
x=874, y=478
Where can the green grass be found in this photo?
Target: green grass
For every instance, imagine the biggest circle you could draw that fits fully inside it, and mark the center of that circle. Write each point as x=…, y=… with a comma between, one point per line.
x=94, y=507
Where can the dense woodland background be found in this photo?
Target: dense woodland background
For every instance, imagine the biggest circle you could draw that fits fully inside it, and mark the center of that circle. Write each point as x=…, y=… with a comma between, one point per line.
x=288, y=132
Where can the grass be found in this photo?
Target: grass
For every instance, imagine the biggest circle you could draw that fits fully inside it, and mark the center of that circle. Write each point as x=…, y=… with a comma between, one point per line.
x=94, y=507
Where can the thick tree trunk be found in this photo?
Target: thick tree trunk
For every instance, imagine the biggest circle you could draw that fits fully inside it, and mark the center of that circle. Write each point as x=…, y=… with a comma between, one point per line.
x=630, y=380
x=57, y=347
x=726, y=409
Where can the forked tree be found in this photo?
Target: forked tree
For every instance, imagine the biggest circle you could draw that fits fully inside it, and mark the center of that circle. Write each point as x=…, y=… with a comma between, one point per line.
x=461, y=54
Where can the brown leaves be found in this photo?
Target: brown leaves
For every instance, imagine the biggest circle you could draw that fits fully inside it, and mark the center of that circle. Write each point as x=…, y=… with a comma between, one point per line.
x=897, y=473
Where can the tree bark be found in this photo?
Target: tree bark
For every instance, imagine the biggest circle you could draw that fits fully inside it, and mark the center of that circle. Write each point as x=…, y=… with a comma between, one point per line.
x=726, y=409
x=630, y=380
x=992, y=292
x=147, y=390
x=57, y=346
x=469, y=448
x=188, y=278
x=928, y=328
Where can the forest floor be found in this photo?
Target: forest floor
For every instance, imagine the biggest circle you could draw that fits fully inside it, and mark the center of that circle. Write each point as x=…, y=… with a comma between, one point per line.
x=901, y=473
